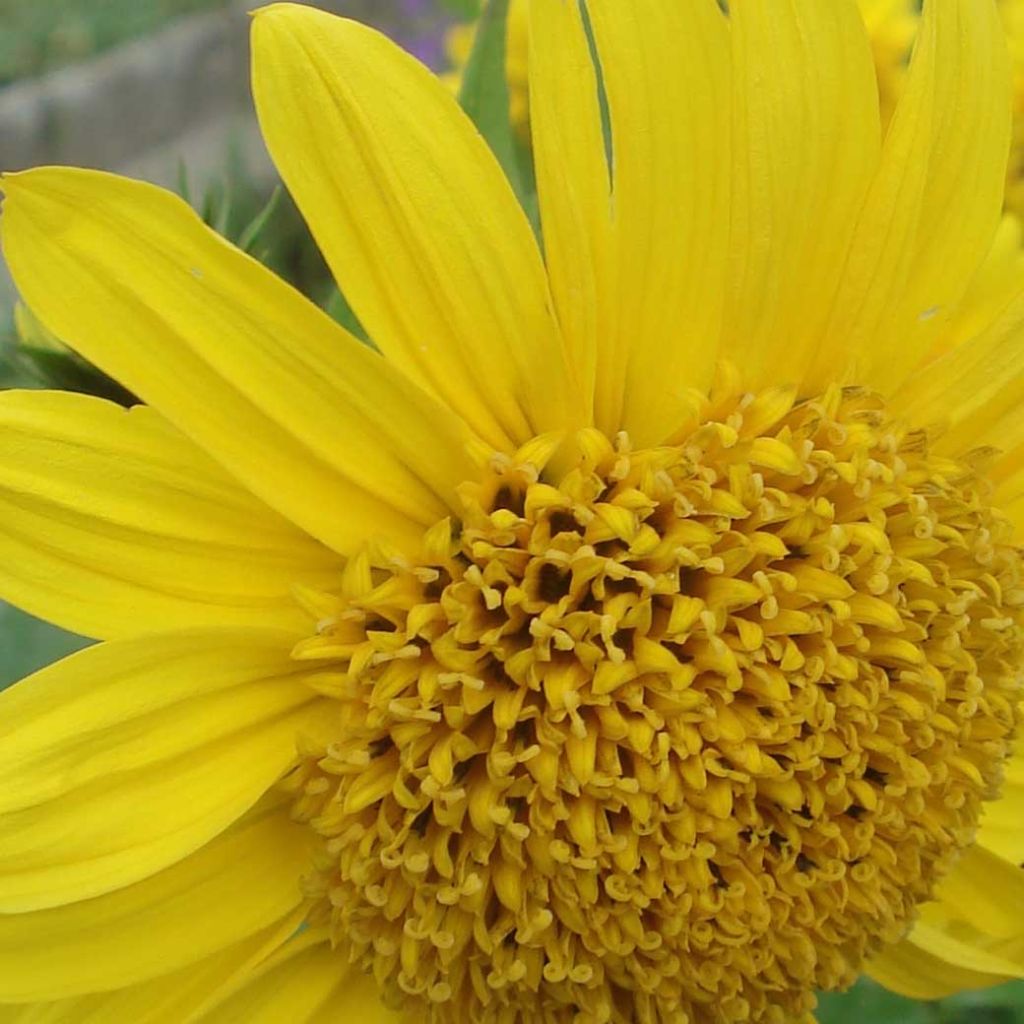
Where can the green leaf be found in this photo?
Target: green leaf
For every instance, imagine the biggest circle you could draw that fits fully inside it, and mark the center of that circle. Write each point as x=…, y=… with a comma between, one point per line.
x=28, y=366
x=338, y=309
x=1003, y=1004
x=184, y=187
x=255, y=228
x=866, y=1002
x=484, y=92
x=27, y=644
x=464, y=10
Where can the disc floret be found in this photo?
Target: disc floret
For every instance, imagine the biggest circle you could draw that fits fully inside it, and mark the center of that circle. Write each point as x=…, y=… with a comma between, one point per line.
x=678, y=734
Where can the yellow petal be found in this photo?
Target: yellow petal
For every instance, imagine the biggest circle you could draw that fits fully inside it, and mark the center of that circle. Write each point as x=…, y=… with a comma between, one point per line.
x=934, y=206
x=239, y=884
x=932, y=965
x=310, y=420
x=806, y=140
x=969, y=936
x=415, y=218
x=666, y=73
x=313, y=984
x=181, y=997
x=985, y=890
x=573, y=185
x=973, y=392
x=128, y=756
x=115, y=525
x=998, y=281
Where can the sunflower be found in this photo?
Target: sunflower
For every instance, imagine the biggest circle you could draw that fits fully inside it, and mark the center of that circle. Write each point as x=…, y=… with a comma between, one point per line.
x=634, y=636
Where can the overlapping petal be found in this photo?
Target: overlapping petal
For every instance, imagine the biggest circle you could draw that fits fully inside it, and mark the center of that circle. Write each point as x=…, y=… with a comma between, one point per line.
x=805, y=149
x=416, y=219
x=933, y=208
x=970, y=936
x=934, y=965
x=971, y=395
x=115, y=524
x=574, y=192
x=310, y=420
x=126, y=757
x=240, y=884
x=181, y=997
x=306, y=984
x=666, y=72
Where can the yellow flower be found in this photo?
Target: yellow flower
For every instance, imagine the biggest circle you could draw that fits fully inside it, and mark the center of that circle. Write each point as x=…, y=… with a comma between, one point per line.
x=637, y=637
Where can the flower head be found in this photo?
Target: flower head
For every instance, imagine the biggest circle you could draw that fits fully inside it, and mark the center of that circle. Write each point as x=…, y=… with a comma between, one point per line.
x=636, y=637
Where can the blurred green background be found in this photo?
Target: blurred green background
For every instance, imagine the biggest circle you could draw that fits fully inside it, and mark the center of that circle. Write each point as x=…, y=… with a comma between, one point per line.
x=39, y=35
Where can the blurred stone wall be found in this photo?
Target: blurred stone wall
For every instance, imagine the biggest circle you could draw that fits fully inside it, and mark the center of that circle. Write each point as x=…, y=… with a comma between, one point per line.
x=177, y=97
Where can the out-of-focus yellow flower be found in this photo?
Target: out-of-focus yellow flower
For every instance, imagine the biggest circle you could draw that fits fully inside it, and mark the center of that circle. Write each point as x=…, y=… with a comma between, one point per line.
x=636, y=636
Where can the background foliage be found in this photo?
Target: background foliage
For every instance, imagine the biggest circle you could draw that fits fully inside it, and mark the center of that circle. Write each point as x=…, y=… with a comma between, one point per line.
x=39, y=35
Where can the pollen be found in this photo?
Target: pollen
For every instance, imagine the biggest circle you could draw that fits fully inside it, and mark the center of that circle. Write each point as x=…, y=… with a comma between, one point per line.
x=664, y=736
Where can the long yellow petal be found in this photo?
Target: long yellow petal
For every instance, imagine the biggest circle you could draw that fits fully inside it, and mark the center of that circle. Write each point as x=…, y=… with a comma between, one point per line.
x=239, y=884
x=115, y=524
x=932, y=965
x=934, y=206
x=969, y=936
x=806, y=142
x=665, y=67
x=315, y=984
x=573, y=185
x=127, y=757
x=984, y=890
x=181, y=997
x=311, y=421
x=998, y=281
x=415, y=218
x=972, y=390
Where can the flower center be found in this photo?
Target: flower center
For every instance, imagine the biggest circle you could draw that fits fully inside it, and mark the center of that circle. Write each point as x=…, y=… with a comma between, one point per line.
x=673, y=735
